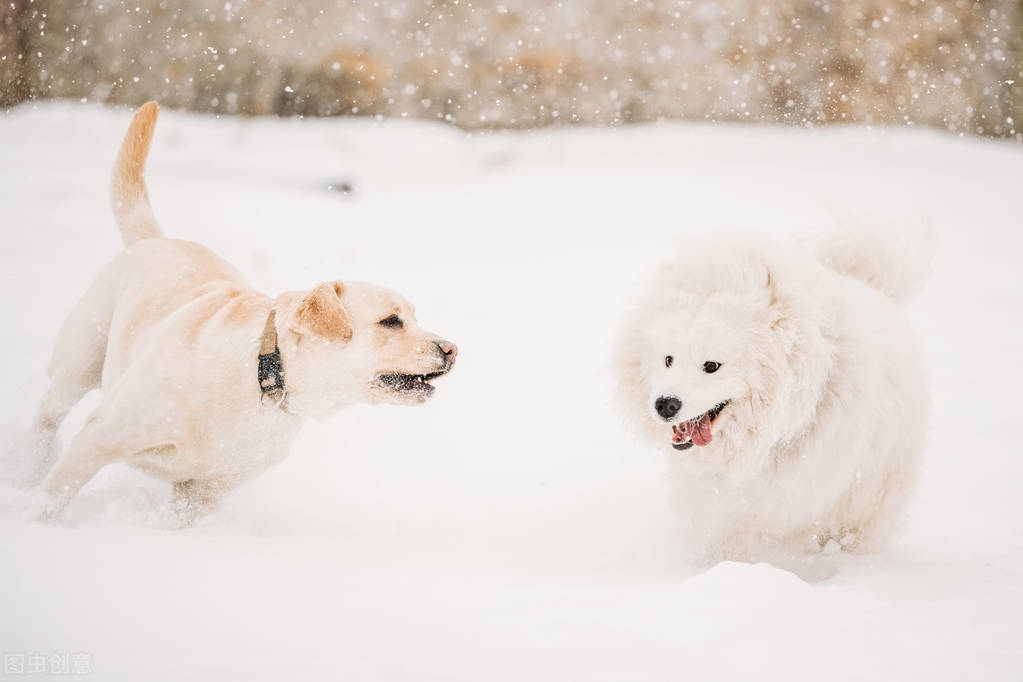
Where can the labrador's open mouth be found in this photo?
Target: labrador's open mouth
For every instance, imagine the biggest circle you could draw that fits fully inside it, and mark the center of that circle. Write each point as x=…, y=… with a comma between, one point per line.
x=416, y=384
x=695, y=431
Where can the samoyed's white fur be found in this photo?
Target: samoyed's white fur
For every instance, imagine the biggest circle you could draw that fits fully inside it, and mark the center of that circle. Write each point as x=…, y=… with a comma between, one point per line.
x=819, y=443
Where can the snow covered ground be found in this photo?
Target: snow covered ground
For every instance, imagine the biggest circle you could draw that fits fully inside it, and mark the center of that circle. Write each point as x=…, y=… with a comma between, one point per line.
x=511, y=529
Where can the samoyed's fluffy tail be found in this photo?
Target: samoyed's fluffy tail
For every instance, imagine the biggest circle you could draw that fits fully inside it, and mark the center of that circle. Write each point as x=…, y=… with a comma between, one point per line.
x=896, y=262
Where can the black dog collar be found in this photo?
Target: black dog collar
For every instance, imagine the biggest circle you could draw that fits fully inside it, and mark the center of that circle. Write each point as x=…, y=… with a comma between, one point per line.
x=270, y=372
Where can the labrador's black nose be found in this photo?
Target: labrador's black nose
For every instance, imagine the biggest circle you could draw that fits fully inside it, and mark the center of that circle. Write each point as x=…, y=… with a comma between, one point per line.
x=667, y=406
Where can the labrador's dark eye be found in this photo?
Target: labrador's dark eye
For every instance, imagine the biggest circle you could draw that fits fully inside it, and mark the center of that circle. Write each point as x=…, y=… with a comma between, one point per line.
x=668, y=361
x=394, y=322
x=711, y=367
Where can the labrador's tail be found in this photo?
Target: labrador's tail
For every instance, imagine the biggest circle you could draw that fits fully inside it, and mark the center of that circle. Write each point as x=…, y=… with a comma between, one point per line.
x=128, y=195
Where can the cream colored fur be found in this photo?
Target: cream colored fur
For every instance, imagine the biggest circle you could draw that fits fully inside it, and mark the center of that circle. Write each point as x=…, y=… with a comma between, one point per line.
x=819, y=444
x=171, y=333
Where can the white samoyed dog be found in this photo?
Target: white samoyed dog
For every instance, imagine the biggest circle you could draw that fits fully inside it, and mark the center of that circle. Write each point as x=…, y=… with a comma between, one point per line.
x=787, y=388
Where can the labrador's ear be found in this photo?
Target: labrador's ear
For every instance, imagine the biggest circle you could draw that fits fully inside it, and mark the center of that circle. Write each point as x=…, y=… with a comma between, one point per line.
x=320, y=314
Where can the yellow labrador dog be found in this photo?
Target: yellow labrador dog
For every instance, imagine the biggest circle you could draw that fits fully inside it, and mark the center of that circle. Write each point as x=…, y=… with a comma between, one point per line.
x=206, y=381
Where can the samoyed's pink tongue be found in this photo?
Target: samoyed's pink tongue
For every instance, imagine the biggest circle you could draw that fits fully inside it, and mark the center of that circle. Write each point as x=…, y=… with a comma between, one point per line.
x=701, y=431
x=696, y=431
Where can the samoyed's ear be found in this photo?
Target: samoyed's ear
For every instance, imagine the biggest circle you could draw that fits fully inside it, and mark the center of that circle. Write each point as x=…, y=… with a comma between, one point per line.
x=761, y=280
x=771, y=285
x=319, y=314
x=777, y=302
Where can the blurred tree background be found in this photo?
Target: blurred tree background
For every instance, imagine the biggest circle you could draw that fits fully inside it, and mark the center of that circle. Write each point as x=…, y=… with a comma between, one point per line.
x=952, y=64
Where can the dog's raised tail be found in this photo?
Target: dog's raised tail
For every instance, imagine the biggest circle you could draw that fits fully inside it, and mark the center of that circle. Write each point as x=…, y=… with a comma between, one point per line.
x=896, y=262
x=129, y=197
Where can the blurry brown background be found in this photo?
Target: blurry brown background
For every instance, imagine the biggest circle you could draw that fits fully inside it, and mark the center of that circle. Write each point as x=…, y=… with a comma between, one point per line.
x=953, y=64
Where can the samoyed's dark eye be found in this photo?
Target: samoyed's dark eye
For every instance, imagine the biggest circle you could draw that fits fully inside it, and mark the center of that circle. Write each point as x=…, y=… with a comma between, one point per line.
x=711, y=367
x=668, y=361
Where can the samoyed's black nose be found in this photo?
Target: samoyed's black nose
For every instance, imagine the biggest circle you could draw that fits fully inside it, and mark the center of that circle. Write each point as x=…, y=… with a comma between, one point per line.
x=667, y=406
